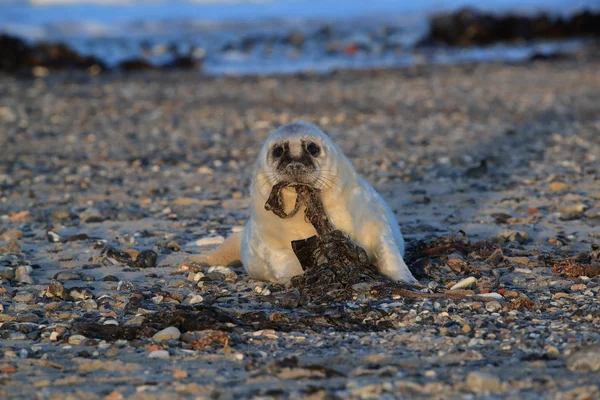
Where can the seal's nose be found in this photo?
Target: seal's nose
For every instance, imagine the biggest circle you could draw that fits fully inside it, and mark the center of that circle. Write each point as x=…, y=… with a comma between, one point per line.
x=294, y=167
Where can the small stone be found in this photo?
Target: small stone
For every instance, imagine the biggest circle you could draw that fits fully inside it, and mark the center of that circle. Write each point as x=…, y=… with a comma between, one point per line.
x=456, y=262
x=89, y=304
x=67, y=276
x=112, y=352
x=78, y=294
x=492, y=295
x=53, y=237
x=23, y=270
x=496, y=257
x=7, y=115
x=466, y=328
x=521, y=270
x=174, y=246
x=587, y=359
x=578, y=287
x=20, y=216
x=574, y=207
x=17, y=336
x=91, y=215
x=114, y=395
x=146, y=259
x=195, y=276
x=482, y=382
x=28, y=317
x=552, y=351
x=556, y=242
x=221, y=273
x=125, y=286
x=465, y=283
x=180, y=374
x=493, y=306
x=76, y=340
x=160, y=354
x=196, y=299
x=560, y=295
x=420, y=199
x=7, y=273
x=24, y=297
x=170, y=333
x=12, y=247
x=11, y=234
x=204, y=170
x=157, y=299
x=7, y=369
x=557, y=186
x=126, y=240
x=54, y=336
x=138, y=320
x=522, y=261
x=25, y=279
x=6, y=317
x=40, y=71
x=55, y=289
x=521, y=237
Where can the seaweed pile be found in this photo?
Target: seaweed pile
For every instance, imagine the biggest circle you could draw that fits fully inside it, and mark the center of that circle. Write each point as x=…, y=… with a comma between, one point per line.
x=469, y=27
x=336, y=268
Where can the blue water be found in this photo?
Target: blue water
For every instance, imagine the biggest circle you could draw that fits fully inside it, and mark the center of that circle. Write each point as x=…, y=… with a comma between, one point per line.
x=212, y=31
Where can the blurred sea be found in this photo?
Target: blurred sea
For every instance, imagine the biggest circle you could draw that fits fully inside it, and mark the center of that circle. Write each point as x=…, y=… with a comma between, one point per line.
x=258, y=36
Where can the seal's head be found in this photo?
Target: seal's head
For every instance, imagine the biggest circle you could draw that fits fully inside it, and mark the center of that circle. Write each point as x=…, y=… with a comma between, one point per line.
x=298, y=153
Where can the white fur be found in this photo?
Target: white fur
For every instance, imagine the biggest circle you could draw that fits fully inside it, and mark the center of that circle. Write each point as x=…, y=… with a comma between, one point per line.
x=351, y=203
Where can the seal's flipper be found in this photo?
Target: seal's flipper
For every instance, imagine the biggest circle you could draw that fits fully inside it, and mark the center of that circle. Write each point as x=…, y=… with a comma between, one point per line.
x=228, y=253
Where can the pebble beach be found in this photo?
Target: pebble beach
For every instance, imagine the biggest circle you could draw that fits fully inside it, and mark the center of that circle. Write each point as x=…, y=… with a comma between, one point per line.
x=108, y=183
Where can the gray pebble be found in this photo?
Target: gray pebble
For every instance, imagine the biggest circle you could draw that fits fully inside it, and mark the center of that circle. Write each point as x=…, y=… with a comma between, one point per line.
x=67, y=276
x=586, y=359
x=482, y=382
x=170, y=333
x=24, y=297
x=220, y=273
x=80, y=294
x=493, y=306
x=161, y=354
x=89, y=304
x=17, y=336
x=23, y=270
x=7, y=273
x=55, y=289
x=53, y=237
x=76, y=340
x=464, y=283
x=520, y=237
x=26, y=279
x=138, y=320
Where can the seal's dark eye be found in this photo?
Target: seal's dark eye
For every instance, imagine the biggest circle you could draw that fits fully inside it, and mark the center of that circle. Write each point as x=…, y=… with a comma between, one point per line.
x=313, y=149
x=278, y=151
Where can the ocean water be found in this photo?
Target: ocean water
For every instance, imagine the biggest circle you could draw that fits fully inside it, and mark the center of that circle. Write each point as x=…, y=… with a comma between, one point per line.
x=248, y=37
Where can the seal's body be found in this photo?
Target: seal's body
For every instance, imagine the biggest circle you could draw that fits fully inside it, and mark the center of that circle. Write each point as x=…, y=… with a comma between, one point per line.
x=301, y=153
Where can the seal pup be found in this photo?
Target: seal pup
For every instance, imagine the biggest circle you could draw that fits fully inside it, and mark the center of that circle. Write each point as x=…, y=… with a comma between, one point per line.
x=300, y=153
